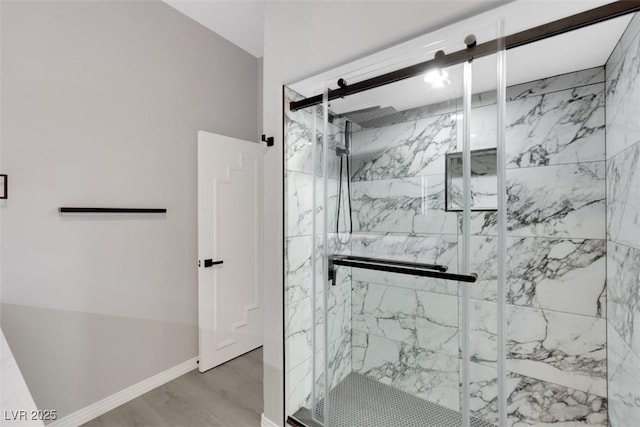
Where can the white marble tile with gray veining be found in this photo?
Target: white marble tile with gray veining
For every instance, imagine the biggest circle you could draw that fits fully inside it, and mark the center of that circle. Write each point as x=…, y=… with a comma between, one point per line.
x=483, y=324
x=482, y=131
x=404, y=150
x=299, y=203
x=483, y=262
x=423, y=319
x=298, y=268
x=483, y=392
x=623, y=296
x=532, y=402
x=567, y=275
x=557, y=201
x=561, y=348
x=430, y=249
x=483, y=223
x=404, y=205
x=624, y=380
x=431, y=375
x=340, y=365
x=623, y=197
x=339, y=311
x=303, y=134
x=298, y=386
x=623, y=100
x=449, y=106
x=297, y=332
x=556, y=83
x=483, y=181
x=556, y=128
x=629, y=37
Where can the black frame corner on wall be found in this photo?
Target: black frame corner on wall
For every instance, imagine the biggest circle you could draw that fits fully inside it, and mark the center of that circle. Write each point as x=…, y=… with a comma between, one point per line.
x=5, y=186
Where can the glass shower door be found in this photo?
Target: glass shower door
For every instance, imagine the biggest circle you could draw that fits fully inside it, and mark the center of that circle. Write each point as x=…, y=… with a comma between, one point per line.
x=406, y=187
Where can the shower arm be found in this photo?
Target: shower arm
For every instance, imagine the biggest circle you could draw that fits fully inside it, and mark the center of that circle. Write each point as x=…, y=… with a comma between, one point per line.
x=393, y=266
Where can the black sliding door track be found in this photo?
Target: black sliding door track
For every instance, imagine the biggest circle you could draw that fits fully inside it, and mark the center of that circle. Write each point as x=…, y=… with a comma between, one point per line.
x=541, y=32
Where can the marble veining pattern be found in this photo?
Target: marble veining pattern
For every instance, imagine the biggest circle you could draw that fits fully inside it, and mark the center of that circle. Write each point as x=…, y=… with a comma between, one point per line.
x=559, y=274
x=298, y=268
x=396, y=328
x=562, y=348
x=557, y=201
x=483, y=392
x=298, y=332
x=540, y=403
x=304, y=130
x=629, y=36
x=623, y=196
x=556, y=83
x=418, y=318
x=298, y=386
x=404, y=150
x=421, y=372
x=405, y=205
x=484, y=263
x=624, y=377
x=623, y=98
x=556, y=128
x=432, y=249
x=623, y=278
x=558, y=347
x=623, y=228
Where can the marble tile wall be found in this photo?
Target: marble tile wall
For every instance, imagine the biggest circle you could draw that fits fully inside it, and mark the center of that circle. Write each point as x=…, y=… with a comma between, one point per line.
x=404, y=327
x=623, y=227
x=303, y=136
x=402, y=330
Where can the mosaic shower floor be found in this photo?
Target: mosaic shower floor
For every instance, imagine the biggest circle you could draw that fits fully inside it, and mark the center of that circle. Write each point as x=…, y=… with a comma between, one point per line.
x=358, y=401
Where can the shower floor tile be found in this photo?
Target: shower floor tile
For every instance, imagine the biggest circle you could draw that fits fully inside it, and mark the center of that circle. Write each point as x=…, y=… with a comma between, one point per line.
x=359, y=401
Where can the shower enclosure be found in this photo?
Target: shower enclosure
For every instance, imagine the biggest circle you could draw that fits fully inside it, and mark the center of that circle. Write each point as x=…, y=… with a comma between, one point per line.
x=447, y=239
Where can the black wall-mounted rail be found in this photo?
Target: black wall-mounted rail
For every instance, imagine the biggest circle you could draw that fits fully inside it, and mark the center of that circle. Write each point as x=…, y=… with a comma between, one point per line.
x=541, y=32
x=111, y=210
x=392, y=266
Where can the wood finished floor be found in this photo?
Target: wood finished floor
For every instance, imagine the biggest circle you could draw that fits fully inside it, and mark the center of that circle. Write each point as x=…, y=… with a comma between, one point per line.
x=229, y=395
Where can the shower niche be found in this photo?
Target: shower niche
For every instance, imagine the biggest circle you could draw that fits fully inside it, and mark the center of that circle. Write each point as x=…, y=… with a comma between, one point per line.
x=447, y=242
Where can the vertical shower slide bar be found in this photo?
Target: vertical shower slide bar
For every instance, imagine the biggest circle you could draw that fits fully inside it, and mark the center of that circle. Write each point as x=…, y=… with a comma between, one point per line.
x=314, y=266
x=325, y=249
x=501, y=224
x=466, y=205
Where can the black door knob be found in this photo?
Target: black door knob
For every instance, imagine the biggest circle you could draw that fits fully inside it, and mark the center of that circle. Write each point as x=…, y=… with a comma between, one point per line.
x=210, y=263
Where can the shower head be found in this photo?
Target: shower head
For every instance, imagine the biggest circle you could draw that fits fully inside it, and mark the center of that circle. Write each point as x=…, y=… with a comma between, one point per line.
x=374, y=117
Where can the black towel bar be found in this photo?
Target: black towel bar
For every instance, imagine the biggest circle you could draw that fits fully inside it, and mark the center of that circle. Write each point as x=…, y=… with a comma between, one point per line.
x=401, y=267
x=111, y=210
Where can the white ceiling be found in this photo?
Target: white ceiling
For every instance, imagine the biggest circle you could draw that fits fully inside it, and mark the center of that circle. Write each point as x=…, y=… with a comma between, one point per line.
x=242, y=23
x=239, y=21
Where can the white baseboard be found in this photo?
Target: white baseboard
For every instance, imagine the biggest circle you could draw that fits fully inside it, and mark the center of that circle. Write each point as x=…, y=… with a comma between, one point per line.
x=266, y=422
x=108, y=403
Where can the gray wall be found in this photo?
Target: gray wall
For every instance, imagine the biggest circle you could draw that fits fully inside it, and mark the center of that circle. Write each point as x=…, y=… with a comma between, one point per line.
x=623, y=228
x=101, y=102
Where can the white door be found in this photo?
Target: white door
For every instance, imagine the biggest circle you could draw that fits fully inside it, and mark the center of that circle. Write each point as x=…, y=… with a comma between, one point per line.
x=229, y=248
